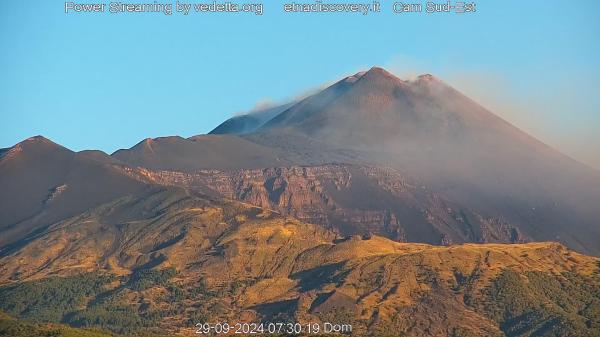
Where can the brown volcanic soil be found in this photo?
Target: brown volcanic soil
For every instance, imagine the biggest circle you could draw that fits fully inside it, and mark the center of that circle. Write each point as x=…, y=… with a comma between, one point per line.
x=237, y=261
x=43, y=182
x=440, y=139
x=409, y=160
x=200, y=152
x=498, y=183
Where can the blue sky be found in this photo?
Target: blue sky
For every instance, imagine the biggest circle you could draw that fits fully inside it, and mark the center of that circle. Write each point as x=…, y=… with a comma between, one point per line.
x=102, y=81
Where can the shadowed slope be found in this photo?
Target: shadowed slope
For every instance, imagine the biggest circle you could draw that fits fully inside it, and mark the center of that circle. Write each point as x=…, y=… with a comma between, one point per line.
x=43, y=182
x=432, y=136
x=250, y=122
x=438, y=137
x=199, y=152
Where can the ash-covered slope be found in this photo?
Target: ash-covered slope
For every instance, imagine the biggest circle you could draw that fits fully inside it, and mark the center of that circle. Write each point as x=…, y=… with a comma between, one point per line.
x=430, y=133
x=443, y=140
x=247, y=123
x=43, y=182
x=473, y=176
x=200, y=152
x=376, y=108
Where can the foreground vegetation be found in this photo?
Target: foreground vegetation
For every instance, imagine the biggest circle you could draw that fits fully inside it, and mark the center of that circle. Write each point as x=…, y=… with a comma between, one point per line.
x=197, y=262
x=529, y=304
x=12, y=328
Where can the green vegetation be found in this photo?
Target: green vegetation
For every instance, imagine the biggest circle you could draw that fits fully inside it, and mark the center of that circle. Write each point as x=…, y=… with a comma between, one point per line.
x=85, y=301
x=49, y=300
x=146, y=278
x=460, y=332
x=523, y=305
x=112, y=311
x=199, y=291
x=123, y=319
x=13, y=328
x=540, y=304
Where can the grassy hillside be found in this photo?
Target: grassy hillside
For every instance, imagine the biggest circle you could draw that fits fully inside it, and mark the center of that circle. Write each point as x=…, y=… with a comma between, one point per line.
x=172, y=259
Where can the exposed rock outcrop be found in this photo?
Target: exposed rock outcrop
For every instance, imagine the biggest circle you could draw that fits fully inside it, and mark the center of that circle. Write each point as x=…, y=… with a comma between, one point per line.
x=349, y=199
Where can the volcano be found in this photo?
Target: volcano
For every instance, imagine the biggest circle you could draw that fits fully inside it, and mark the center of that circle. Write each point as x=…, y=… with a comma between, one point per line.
x=441, y=139
x=399, y=207
x=411, y=160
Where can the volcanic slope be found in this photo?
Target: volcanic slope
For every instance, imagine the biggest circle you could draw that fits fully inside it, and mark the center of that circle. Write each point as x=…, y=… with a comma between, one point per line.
x=43, y=182
x=171, y=258
x=438, y=138
x=434, y=166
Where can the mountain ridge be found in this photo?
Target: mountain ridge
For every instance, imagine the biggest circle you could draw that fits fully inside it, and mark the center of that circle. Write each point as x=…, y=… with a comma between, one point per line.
x=427, y=132
x=185, y=258
x=397, y=207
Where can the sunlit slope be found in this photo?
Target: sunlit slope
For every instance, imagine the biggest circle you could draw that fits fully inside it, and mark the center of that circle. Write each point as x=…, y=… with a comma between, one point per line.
x=171, y=258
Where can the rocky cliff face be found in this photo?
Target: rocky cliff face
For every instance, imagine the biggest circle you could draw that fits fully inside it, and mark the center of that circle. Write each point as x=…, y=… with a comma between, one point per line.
x=349, y=199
